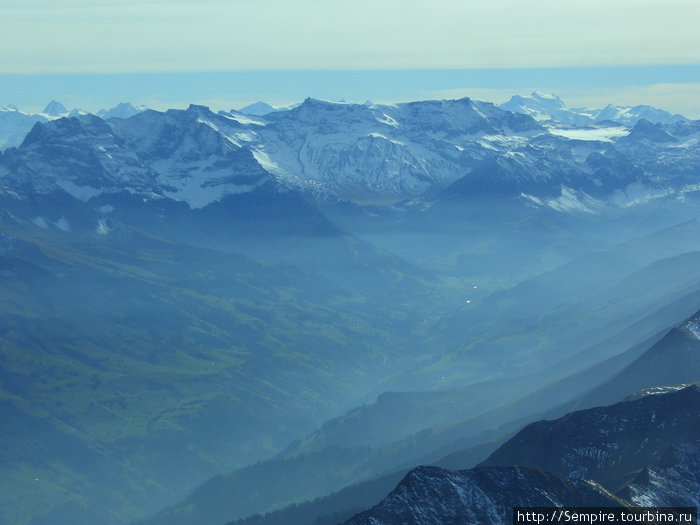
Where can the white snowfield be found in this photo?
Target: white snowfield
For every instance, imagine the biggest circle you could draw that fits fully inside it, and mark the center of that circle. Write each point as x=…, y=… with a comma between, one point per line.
x=603, y=134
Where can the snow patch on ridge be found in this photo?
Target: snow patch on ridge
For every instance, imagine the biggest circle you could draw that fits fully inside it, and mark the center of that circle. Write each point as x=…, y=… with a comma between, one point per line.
x=593, y=134
x=283, y=176
x=637, y=193
x=503, y=141
x=242, y=119
x=200, y=191
x=693, y=328
x=568, y=200
x=267, y=163
x=386, y=119
x=102, y=228
x=210, y=124
x=237, y=138
x=380, y=136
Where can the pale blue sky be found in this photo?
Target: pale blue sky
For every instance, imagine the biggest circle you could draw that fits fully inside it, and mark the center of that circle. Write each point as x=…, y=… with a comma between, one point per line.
x=229, y=53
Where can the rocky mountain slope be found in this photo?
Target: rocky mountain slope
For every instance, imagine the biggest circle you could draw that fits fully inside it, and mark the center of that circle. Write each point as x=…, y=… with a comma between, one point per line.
x=433, y=496
x=578, y=456
x=607, y=444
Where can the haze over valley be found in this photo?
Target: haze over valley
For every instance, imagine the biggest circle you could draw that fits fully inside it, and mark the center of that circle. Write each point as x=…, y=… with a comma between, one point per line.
x=288, y=314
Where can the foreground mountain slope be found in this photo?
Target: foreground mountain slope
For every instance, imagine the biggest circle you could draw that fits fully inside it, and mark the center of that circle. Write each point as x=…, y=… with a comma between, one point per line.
x=347, y=502
x=661, y=485
x=532, y=406
x=606, y=444
x=433, y=496
x=673, y=481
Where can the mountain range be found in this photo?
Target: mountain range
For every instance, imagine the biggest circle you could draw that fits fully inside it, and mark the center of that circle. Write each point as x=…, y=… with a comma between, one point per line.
x=379, y=153
x=196, y=307
x=15, y=124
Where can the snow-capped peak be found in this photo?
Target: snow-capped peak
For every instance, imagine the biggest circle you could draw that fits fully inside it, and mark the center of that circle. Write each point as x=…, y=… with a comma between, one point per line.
x=546, y=96
x=544, y=107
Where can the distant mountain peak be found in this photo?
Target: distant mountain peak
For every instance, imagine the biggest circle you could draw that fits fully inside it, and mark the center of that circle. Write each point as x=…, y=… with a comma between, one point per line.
x=548, y=106
x=122, y=110
x=257, y=109
x=55, y=109
x=631, y=115
x=544, y=106
x=549, y=98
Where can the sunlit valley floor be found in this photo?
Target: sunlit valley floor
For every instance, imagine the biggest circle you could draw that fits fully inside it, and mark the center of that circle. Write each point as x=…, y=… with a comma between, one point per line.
x=233, y=318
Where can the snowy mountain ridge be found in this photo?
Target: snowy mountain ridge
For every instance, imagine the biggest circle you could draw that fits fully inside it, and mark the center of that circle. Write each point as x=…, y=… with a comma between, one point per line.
x=360, y=152
x=16, y=124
